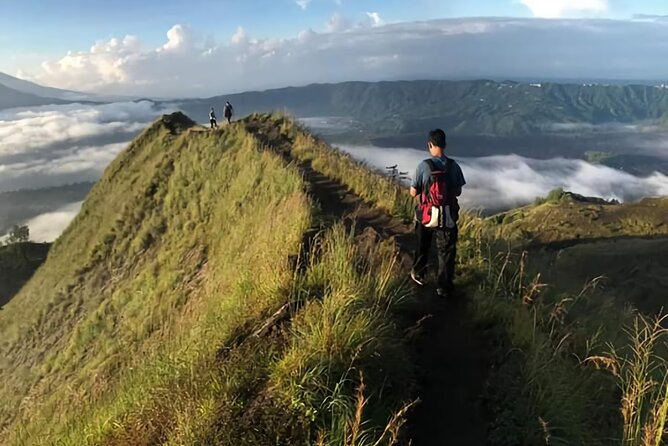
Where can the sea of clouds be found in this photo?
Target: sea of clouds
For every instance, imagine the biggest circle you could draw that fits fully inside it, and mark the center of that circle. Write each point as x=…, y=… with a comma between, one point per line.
x=60, y=144
x=494, y=183
x=48, y=227
x=53, y=145
x=502, y=182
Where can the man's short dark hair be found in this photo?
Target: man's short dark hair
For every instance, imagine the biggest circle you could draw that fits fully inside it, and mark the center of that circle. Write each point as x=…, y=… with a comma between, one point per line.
x=437, y=138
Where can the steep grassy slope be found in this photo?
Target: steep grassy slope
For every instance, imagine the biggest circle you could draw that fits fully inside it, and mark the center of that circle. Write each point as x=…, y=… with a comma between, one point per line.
x=567, y=219
x=140, y=327
x=119, y=282
x=579, y=288
x=571, y=366
x=148, y=323
x=572, y=240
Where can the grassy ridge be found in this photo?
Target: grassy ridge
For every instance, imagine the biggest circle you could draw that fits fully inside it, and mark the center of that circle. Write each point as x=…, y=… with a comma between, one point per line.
x=565, y=219
x=565, y=373
x=373, y=187
x=132, y=272
x=139, y=329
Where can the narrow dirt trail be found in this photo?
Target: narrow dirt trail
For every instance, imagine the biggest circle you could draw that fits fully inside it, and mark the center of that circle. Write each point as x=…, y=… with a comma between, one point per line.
x=451, y=355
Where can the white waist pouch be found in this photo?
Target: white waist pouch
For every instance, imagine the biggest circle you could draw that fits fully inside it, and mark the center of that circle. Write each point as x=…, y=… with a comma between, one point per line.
x=441, y=218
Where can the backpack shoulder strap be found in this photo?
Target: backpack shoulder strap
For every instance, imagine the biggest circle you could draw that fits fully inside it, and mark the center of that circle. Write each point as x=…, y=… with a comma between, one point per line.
x=425, y=187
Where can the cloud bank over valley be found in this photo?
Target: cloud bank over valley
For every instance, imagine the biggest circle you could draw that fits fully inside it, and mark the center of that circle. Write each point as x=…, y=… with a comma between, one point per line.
x=62, y=144
x=506, y=181
x=48, y=227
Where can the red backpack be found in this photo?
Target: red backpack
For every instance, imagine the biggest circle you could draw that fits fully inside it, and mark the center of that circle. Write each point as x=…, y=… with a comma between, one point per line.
x=436, y=204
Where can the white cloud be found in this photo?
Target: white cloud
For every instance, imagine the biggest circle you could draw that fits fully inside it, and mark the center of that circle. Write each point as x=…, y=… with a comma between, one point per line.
x=338, y=23
x=303, y=4
x=239, y=37
x=76, y=164
x=483, y=47
x=507, y=181
x=53, y=145
x=560, y=8
x=178, y=38
x=375, y=19
x=48, y=227
x=32, y=130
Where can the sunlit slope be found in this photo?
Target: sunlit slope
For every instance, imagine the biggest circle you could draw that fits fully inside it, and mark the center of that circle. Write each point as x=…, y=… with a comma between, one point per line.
x=571, y=217
x=572, y=240
x=187, y=237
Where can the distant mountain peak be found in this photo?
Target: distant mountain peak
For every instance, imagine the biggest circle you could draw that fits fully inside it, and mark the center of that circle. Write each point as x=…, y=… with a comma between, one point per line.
x=25, y=86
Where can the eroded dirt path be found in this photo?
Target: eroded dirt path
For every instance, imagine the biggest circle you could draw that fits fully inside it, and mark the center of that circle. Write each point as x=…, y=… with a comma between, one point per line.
x=451, y=355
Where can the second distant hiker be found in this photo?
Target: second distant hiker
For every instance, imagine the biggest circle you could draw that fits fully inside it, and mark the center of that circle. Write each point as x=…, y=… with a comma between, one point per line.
x=212, y=119
x=228, y=112
x=437, y=183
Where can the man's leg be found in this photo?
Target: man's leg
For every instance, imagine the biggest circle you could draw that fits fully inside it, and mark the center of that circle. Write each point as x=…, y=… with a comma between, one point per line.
x=424, y=236
x=446, y=244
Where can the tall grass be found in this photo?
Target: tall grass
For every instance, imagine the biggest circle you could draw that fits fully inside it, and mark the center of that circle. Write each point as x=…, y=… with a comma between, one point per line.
x=142, y=322
x=641, y=372
x=537, y=393
x=371, y=185
x=153, y=276
x=347, y=331
x=542, y=390
x=139, y=328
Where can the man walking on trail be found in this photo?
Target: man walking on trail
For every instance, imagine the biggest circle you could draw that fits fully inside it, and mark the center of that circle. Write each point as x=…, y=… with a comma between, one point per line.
x=229, y=112
x=212, y=119
x=437, y=183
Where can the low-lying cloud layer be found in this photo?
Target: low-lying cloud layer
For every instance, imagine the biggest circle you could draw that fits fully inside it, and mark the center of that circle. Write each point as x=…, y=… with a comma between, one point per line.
x=48, y=227
x=60, y=144
x=507, y=181
x=187, y=64
x=495, y=183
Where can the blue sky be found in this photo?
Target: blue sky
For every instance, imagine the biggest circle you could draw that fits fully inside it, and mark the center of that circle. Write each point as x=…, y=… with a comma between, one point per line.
x=35, y=31
x=51, y=27
x=47, y=27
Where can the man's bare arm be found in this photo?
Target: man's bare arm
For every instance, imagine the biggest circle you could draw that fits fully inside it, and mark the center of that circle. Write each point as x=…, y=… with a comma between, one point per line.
x=414, y=192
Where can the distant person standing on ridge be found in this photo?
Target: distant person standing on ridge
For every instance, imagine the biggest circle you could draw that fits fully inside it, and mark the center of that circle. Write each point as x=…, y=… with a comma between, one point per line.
x=229, y=112
x=437, y=183
x=212, y=119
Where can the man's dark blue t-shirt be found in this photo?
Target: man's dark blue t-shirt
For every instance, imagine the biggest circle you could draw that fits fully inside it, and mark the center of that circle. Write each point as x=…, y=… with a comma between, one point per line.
x=454, y=176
